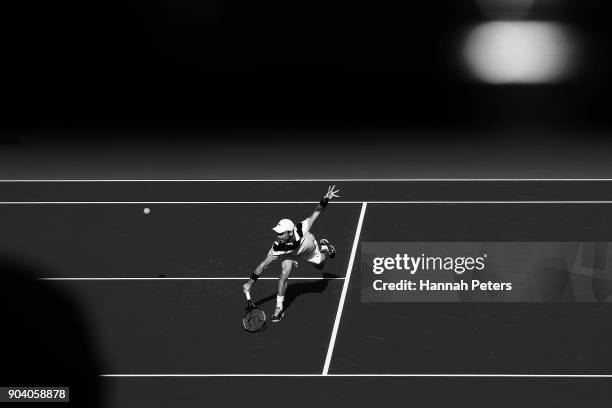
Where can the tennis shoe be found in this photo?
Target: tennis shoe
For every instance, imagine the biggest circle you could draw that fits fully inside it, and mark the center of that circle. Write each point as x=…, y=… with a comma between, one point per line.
x=331, y=251
x=278, y=315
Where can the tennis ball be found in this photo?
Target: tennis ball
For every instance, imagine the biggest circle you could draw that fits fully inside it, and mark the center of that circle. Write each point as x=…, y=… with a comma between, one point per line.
x=147, y=210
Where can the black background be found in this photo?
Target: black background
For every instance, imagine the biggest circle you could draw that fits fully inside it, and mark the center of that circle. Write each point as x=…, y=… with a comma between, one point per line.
x=177, y=70
x=186, y=64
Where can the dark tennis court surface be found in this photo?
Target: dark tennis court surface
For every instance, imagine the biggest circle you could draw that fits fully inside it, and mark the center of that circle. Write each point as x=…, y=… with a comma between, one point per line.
x=195, y=327
x=187, y=240
x=161, y=293
x=488, y=337
x=355, y=392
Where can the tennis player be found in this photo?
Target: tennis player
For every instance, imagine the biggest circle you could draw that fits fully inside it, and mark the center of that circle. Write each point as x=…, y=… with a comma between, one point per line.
x=295, y=242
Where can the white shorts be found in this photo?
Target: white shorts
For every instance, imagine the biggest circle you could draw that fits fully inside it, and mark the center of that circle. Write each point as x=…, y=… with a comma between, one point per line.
x=312, y=256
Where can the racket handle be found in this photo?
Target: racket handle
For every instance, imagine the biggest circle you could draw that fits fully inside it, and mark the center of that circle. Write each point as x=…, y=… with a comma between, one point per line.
x=248, y=295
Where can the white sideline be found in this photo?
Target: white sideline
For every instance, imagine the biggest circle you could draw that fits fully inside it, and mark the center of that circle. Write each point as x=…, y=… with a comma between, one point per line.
x=349, y=269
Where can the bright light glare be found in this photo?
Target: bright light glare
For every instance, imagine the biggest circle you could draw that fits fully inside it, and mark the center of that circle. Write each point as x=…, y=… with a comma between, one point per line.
x=519, y=52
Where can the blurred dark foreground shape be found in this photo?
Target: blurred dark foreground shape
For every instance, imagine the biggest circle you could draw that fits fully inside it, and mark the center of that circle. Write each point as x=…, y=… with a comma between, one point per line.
x=46, y=338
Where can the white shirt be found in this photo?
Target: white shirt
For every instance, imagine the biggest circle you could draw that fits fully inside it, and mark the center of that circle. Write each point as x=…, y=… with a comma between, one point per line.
x=303, y=244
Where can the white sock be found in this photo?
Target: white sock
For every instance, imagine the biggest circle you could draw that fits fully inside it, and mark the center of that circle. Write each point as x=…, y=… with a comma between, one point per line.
x=324, y=248
x=279, y=301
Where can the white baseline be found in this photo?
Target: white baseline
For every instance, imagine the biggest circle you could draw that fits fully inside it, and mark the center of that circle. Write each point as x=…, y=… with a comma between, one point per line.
x=362, y=375
x=297, y=180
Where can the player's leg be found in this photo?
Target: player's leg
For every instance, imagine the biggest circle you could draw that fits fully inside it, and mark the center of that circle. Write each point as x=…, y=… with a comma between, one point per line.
x=320, y=253
x=286, y=267
x=316, y=257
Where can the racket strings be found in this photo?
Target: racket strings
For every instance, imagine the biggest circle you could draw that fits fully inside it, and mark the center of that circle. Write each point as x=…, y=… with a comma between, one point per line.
x=254, y=320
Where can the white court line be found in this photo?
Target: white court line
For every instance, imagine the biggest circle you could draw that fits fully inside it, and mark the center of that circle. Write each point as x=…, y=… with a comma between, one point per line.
x=172, y=202
x=349, y=269
x=295, y=180
x=362, y=375
x=194, y=278
x=311, y=202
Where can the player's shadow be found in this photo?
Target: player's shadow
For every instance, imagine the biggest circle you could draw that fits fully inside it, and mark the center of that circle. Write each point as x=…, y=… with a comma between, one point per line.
x=295, y=290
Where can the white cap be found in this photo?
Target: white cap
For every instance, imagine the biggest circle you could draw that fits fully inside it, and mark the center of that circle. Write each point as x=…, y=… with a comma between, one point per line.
x=284, y=225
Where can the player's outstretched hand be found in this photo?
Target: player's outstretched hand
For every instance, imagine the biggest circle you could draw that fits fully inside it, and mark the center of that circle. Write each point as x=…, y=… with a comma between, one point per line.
x=246, y=287
x=331, y=193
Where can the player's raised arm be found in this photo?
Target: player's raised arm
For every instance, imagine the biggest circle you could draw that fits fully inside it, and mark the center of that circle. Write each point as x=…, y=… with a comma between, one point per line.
x=331, y=193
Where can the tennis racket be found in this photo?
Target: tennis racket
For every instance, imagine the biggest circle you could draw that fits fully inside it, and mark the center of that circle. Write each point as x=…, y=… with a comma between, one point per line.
x=254, y=319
